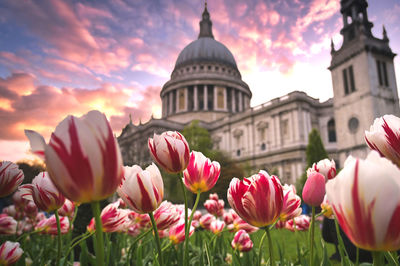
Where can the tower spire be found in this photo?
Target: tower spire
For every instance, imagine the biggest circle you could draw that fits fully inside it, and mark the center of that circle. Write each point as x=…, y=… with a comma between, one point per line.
x=384, y=33
x=206, y=24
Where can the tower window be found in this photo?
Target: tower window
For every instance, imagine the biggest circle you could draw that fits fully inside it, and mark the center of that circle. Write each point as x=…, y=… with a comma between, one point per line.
x=348, y=80
x=181, y=99
x=382, y=73
x=331, y=131
x=220, y=98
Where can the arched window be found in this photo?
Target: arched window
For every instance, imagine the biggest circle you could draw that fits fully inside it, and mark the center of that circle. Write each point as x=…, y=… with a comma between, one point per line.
x=331, y=130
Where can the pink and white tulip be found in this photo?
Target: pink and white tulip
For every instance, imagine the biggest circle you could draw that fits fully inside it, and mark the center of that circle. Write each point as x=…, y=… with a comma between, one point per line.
x=299, y=223
x=142, y=190
x=19, y=201
x=314, y=189
x=166, y=215
x=365, y=197
x=324, y=167
x=170, y=150
x=10, y=178
x=13, y=212
x=10, y=253
x=215, y=207
x=49, y=225
x=206, y=220
x=67, y=209
x=217, y=226
x=8, y=226
x=229, y=216
x=201, y=174
x=240, y=224
x=112, y=219
x=177, y=232
x=241, y=241
x=31, y=210
x=83, y=157
x=384, y=137
x=291, y=203
x=42, y=191
x=258, y=199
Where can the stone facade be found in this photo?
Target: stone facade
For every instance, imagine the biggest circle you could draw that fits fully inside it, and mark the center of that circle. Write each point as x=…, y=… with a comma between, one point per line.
x=206, y=85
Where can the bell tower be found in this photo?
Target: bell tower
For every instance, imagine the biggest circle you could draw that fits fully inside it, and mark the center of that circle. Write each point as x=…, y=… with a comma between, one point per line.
x=363, y=79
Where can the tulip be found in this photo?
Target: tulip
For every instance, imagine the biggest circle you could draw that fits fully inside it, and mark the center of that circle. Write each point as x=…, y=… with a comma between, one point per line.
x=8, y=226
x=229, y=216
x=325, y=167
x=143, y=220
x=42, y=191
x=112, y=219
x=384, y=137
x=19, y=201
x=240, y=224
x=280, y=224
x=314, y=189
x=365, y=197
x=10, y=178
x=49, y=226
x=166, y=215
x=241, y=241
x=327, y=208
x=177, y=232
x=134, y=230
x=217, y=226
x=31, y=210
x=258, y=199
x=197, y=215
x=83, y=157
x=201, y=174
x=299, y=223
x=170, y=150
x=67, y=209
x=10, y=252
x=291, y=203
x=13, y=212
x=142, y=190
x=215, y=207
x=206, y=220
x=213, y=196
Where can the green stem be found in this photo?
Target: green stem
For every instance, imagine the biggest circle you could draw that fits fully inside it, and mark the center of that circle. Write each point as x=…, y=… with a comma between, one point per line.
x=186, y=215
x=260, y=248
x=357, y=256
x=99, y=234
x=271, y=252
x=340, y=242
x=312, y=236
x=186, y=251
x=58, y=238
x=157, y=238
x=376, y=256
x=83, y=237
x=166, y=246
x=137, y=240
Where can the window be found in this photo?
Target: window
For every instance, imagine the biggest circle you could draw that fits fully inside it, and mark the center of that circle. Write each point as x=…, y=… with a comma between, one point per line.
x=331, y=131
x=263, y=147
x=348, y=80
x=382, y=73
x=285, y=127
x=181, y=99
x=220, y=98
x=237, y=153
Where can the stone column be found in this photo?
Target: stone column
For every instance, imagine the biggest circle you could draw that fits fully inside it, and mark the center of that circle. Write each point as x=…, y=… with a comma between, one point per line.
x=225, y=98
x=170, y=95
x=233, y=97
x=240, y=101
x=195, y=99
x=205, y=97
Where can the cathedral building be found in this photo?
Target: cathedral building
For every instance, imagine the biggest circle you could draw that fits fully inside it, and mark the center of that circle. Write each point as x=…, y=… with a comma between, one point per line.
x=206, y=85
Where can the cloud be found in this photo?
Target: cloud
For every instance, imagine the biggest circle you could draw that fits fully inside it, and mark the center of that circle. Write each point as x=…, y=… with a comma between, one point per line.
x=45, y=106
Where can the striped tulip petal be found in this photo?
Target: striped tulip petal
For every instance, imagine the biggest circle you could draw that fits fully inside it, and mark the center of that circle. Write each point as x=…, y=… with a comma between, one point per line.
x=10, y=178
x=258, y=199
x=142, y=190
x=241, y=241
x=365, y=197
x=82, y=157
x=291, y=203
x=10, y=253
x=170, y=150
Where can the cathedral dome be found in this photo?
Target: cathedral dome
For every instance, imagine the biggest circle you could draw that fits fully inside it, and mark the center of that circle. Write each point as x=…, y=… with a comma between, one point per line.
x=205, y=49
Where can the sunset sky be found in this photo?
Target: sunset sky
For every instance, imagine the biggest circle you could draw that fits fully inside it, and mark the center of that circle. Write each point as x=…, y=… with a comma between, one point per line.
x=68, y=57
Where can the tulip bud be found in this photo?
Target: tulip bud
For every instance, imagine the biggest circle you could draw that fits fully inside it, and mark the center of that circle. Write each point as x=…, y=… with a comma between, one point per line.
x=83, y=157
x=49, y=226
x=242, y=242
x=299, y=223
x=8, y=226
x=166, y=215
x=217, y=226
x=314, y=189
x=142, y=190
x=67, y=209
x=206, y=220
x=42, y=191
x=170, y=150
x=10, y=178
x=324, y=167
x=177, y=232
x=201, y=174
x=10, y=253
x=112, y=219
x=215, y=207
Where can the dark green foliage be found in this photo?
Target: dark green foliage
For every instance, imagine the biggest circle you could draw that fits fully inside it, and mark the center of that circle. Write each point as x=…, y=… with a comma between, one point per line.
x=30, y=169
x=315, y=152
x=198, y=138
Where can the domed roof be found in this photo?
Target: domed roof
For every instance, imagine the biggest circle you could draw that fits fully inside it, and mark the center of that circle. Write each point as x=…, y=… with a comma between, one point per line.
x=205, y=49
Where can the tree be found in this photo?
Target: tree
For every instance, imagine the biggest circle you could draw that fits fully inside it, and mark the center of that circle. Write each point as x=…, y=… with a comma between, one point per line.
x=198, y=138
x=315, y=152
